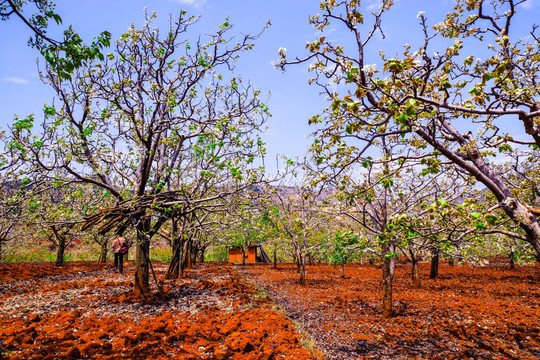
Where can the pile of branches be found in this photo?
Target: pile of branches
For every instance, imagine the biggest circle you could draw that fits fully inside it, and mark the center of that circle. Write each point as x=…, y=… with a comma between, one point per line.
x=166, y=203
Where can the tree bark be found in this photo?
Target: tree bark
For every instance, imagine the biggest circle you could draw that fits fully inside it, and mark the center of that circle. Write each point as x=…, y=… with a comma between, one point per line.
x=189, y=253
x=141, y=288
x=173, y=272
x=184, y=256
x=103, y=251
x=275, y=259
x=301, y=264
x=243, y=256
x=388, y=269
x=512, y=261
x=434, y=271
x=60, y=251
x=526, y=220
x=201, y=254
x=416, y=284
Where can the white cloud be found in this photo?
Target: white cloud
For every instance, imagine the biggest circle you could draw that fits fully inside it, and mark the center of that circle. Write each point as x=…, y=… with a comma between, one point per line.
x=527, y=5
x=15, y=80
x=373, y=5
x=193, y=3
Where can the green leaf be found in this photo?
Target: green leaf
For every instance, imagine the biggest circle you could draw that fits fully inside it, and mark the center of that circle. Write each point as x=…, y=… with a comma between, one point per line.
x=202, y=62
x=401, y=119
x=49, y=110
x=505, y=147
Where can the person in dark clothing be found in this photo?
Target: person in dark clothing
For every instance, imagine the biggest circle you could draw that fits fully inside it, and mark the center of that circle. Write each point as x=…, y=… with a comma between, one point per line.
x=120, y=248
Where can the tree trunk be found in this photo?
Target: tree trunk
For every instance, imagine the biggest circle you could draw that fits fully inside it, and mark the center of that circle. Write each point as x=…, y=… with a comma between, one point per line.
x=415, y=273
x=194, y=251
x=189, y=253
x=103, y=251
x=186, y=257
x=302, y=270
x=434, y=272
x=451, y=261
x=173, y=272
x=141, y=288
x=60, y=250
x=526, y=220
x=388, y=269
x=243, y=256
x=512, y=261
x=301, y=263
x=201, y=254
x=275, y=259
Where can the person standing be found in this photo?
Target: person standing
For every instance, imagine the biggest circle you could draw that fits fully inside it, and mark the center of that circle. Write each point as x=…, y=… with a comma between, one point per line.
x=120, y=248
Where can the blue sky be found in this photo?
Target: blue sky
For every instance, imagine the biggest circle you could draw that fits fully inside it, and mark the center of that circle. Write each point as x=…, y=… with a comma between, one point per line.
x=292, y=100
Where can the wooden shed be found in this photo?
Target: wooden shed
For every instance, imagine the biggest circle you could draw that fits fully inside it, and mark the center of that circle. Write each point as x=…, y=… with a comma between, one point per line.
x=254, y=254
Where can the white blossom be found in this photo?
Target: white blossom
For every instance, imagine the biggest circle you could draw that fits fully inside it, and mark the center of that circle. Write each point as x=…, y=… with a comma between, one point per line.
x=281, y=51
x=420, y=14
x=369, y=68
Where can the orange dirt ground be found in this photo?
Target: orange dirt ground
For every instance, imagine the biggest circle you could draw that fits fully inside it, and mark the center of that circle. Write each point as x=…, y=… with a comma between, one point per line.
x=467, y=313
x=85, y=310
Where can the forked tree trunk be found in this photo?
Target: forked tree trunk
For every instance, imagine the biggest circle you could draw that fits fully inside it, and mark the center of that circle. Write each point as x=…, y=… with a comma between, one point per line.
x=434, y=271
x=173, y=272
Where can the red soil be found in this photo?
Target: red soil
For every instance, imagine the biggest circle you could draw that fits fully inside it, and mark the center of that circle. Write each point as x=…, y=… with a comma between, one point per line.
x=467, y=313
x=84, y=310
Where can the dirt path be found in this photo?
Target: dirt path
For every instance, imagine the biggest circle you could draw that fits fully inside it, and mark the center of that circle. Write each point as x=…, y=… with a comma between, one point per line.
x=86, y=311
x=480, y=313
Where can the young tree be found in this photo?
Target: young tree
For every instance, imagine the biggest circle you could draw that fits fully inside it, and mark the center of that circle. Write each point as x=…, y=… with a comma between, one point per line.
x=342, y=249
x=128, y=123
x=56, y=210
x=295, y=212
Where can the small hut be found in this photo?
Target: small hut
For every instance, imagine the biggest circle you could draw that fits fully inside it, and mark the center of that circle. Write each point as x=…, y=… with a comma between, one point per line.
x=254, y=254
